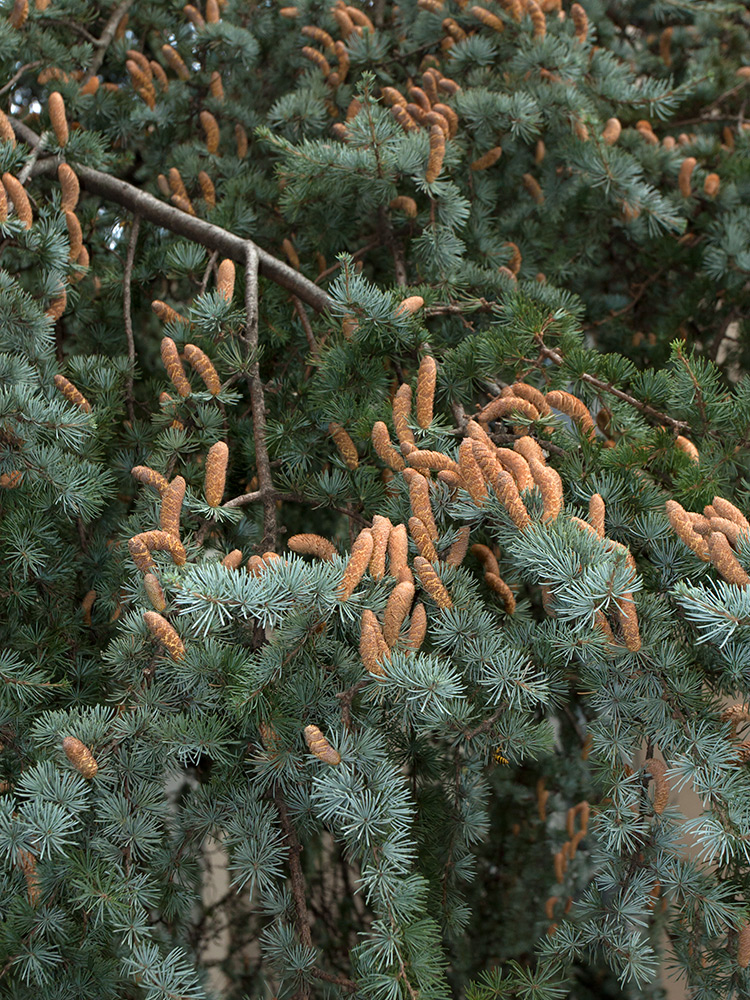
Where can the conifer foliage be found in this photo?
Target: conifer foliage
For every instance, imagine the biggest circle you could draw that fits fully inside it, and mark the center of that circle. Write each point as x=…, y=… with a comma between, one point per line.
x=336, y=542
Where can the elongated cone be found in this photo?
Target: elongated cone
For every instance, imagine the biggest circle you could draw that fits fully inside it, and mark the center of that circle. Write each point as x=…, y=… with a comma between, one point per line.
x=426, y=382
x=496, y=583
x=201, y=363
x=724, y=508
x=80, y=756
x=71, y=393
x=312, y=545
x=345, y=445
x=171, y=506
x=421, y=536
x=141, y=546
x=725, y=560
x=457, y=552
x=216, y=473
x=381, y=530
x=381, y=439
x=154, y=592
x=359, y=560
x=566, y=402
x=320, y=747
x=597, y=511
x=172, y=363
x=432, y=583
x=372, y=645
x=471, y=473
x=628, y=619
x=401, y=414
x=529, y=448
x=417, y=626
x=150, y=477
x=161, y=629
x=419, y=495
x=58, y=117
x=683, y=526
x=508, y=494
x=396, y=610
x=21, y=203
x=529, y=392
x=398, y=549
x=69, y=187
x=743, y=947
x=437, y=154
x=551, y=488
x=487, y=558
x=225, y=282
x=517, y=466
x=685, y=445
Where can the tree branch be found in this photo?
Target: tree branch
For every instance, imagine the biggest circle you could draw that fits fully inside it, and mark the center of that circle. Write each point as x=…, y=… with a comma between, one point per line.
x=192, y=228
x=128, y=319
x=299, y=893
x=110, y=30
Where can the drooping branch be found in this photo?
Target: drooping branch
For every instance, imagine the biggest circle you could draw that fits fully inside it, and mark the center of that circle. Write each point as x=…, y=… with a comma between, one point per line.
x=168, y=217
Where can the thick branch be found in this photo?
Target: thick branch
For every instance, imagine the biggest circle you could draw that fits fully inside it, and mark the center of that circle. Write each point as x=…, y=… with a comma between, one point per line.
x=198, y=230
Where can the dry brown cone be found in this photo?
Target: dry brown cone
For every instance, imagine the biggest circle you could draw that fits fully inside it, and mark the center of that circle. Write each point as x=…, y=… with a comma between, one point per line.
x=240, y=138
x=194, y=16
x=317, y=58
x=504, y=406
x=422, y=459
x=80, y=757
x=166, y=313
x=489, y=20
x=320, y=747
x=57, y=306
x=141, y=546
x=171, y=506
x=344, y=444
x=216, y=473
x=233, y=559
x=723, y=508
x=58, y=117
x=86, y=605
x=452, y=479
x=457, y=552
x=426, y=381
x=496, y=583
x=417, y=627
x=476, y=432
x=161, y=629
x=154, y=592
x=398, y=549
x=524, y=391
x=211, y=129
x=26, y=859
x=612, y=131
x=381, y=440
x=403, y=203
x=19, y=14
x=401, y=414
x=437, y=153
x=538, y=20
x=225, y=280
x=255, y=565
x=381, y=530
x=202, y=364
x=421, y=537
x=343, y=59
x=216, y=87
x=11, y=480
x=173, y=365
x=312, y=545
x=596, y=514
x=20, y=199
x=3, y=204
x=70, y=188
x=486, y=557
x=533, y=187
x=550, y=486
x=729, y=528
x=711, y=185
x=517, y=466
x=372, y=646
x=174, y=60
x=207, y=189
x=725, y=561
x=150, y=477
x=658, y=769
x=628, y=618
x=487, y=460
x=529, y=448
x=75, y=235
x=743, y=947
x=404, y=119
x=683, y=526
x=686, y=172
x=409, y=306
x=509, y=496
x=431, y=582
x=359, y=560
x=567, y=403
x=580, y=22
x=392, y=97
x=213, y=14
x=359, y=17
x=71, y=393
x=419, y=496
x=471, y=472
x=319, y=35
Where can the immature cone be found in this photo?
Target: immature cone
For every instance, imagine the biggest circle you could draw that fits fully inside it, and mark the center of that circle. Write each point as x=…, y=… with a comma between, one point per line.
x=312, y=545
x=508, y=494
x=426, y=381
x=207, y=189
x=431, y=583
x=71, y=393
x=172, y=363
x=566, y=402
x=240, y=137
x=417, y=627
x=487, y=458
x=437, y=153
x=154, y=592
x=596, y=514
x=216, y=87
x=732, y=531
x=496, y=583
x=320, y=747
x=551, y=488
x=711, y=185
x=20, y=199
x=211, y=129
x=421, y=536
x=141, y=546
x=490, y=20
x=533, y=187
x=150, y=477
x=80, y=756
x=58, y=117
x=487, y=558
x=419, y=495
x=683, y=526
x=345, y=445
x=743, y=947
x=403, y=203
x=75, y=236
x=372, y=645
x=165, y=633
x=26, y=859
x=612, y=131
x=225, y=282
x=381, y=530
x=216, y=473
x=725, y=560
x=398, y=549
x=69, y=186
x=359, y=560
x=171, y=506
x=580, y=22
x=628, y=619
x=381, y=440
x=457, y=552
x=450, y=116
x=488, y=159
x=410, y=305
x=174, y=60
x=401, y=414
x=202, y=364
x=658, y=769
x=687, y=447
x=686, y=172
x=166, y=313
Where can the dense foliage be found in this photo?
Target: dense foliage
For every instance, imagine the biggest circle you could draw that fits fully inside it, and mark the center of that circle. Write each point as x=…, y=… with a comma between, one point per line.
x=349, y=536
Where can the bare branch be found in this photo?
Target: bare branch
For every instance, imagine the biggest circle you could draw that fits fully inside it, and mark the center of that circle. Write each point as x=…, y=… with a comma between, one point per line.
x=105, y=40
x=127, y=318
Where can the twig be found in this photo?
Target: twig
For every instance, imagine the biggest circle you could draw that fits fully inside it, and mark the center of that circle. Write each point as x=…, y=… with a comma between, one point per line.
x=302, y=919
x=355, y=256
x=127, y=317
x=207, y=273
x=18, y=74
x=305, y=321
x=347, y=697
x=346, y=984
x=29, y=165
x=192, y=228
x=257, y=399
x=483, y=727
x=105, y=40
